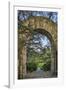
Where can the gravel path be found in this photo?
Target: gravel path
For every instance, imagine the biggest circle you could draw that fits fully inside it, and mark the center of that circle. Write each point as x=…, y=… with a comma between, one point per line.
x=39, y=74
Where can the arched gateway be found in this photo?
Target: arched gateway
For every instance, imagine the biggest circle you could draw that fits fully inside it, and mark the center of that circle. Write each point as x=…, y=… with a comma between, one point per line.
x=44, y=26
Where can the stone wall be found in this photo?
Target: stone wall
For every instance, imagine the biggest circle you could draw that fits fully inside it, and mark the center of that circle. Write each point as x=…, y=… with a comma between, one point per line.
x=44, y=25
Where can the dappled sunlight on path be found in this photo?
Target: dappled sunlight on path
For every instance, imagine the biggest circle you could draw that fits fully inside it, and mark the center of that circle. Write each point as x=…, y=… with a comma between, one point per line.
x=39, y=74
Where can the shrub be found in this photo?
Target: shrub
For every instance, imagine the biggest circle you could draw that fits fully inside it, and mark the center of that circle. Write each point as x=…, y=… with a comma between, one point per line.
x=46, y=66
x=31, y=67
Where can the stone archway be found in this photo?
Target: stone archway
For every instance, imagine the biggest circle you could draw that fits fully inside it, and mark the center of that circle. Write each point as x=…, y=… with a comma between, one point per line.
x=42, y=25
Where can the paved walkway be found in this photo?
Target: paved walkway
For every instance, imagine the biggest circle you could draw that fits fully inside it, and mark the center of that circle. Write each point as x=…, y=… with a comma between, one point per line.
x=39, y=74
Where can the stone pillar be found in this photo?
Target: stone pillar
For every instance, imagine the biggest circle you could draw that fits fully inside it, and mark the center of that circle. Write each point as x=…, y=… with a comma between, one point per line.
x=52, y=65
x=24, y=58
x=52, y=61
x=20, y=67
x=56, y=64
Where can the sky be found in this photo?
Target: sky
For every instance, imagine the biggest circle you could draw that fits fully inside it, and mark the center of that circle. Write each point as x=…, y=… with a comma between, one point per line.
x=40, y=42
x=25, y=14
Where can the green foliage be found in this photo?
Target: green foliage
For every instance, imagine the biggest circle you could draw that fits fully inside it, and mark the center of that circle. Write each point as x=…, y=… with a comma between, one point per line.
x=31, y=67
x=46, y=66
x=40, y=65
x=36, y=60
